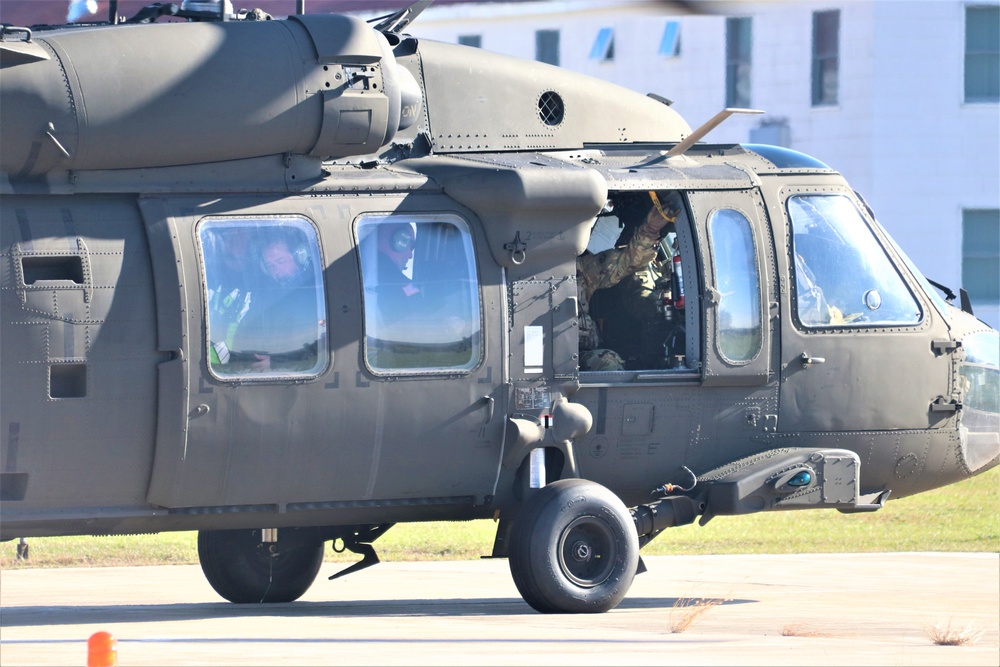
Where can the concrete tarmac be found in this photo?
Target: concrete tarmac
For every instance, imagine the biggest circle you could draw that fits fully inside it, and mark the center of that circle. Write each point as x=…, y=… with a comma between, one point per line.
x=807, y=609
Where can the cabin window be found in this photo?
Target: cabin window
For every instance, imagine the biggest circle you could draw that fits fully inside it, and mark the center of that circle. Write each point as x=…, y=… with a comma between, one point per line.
x=421, y=294
x=264, y=298
x=739, y=333
x=471, y=40
x=843, y=277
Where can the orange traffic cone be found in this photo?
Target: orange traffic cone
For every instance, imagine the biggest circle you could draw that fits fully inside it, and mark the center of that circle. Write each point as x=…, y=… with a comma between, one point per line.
x=102, y=650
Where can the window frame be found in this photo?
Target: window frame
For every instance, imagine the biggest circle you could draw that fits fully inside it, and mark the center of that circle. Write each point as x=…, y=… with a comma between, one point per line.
x=748, y=227
x=478, y=338
x=324, y=355
x=887, y=251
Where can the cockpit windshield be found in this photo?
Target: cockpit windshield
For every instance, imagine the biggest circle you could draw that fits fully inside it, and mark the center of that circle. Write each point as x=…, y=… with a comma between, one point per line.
x=843, y=276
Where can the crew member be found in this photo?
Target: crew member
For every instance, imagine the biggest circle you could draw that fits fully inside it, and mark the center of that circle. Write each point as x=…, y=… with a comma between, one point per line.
x=608, y=268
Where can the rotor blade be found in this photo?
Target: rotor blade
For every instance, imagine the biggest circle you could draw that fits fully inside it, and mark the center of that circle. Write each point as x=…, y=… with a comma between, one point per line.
x=687, y=7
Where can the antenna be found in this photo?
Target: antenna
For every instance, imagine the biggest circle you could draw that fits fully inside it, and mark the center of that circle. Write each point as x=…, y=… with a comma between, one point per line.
x=404, y=17
x=695, y=137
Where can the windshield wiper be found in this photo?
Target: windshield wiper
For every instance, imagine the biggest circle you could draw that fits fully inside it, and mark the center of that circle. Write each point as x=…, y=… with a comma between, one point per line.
x=949, y=296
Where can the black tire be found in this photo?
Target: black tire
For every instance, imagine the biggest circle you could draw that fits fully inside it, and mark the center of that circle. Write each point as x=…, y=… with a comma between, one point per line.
x=243, y=569
x=574, y=549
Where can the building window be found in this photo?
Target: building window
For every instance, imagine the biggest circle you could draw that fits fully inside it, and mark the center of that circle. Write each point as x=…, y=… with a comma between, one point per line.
x=670, y=43
x=982, y=54
x=421, y=294
x=825, y=58
x=547, y=46
x=981, y=254
x=604, y=45
x=264, y=299
x=471, y=40
x=738, y=41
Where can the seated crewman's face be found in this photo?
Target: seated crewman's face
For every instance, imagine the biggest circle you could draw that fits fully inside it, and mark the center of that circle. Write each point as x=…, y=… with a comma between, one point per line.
x=279, y=262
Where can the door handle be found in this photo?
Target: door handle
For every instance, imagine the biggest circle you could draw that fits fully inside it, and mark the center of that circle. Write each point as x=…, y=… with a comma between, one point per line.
x=489, y=408
x=809, y=361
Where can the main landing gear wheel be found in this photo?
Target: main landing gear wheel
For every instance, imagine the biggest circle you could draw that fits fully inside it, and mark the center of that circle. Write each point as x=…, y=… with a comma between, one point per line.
x=243, y=569
x=574, y=548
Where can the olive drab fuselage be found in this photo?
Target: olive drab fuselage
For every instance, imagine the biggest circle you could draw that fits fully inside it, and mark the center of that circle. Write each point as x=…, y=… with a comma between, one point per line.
x=208, y=325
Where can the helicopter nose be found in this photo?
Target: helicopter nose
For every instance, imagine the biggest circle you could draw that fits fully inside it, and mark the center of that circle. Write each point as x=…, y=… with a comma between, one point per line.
x=979, y=375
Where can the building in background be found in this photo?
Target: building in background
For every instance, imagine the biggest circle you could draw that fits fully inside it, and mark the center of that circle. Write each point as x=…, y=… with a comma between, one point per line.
x=903, y=98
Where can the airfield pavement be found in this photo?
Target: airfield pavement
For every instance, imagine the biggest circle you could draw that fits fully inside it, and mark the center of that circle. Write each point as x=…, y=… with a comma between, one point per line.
x=842, y=609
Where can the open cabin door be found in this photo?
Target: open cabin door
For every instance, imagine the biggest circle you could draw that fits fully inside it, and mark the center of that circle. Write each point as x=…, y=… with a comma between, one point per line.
x=721, y=396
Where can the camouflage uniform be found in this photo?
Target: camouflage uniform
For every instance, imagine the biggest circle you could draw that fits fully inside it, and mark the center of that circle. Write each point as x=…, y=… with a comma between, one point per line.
x=631, y=318
x=603, y=270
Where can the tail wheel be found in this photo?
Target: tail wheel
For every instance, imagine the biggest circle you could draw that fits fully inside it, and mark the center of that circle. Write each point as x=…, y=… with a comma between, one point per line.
x=243, y=569
x=574, y=548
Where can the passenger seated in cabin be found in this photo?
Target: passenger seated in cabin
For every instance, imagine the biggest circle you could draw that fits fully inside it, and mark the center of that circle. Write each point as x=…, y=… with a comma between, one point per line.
x=421, y=310
x=397, y=294
x=645, y=220
x=274, y=326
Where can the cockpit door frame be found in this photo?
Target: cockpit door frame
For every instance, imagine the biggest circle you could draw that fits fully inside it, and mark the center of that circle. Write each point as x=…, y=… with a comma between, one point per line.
x=720, y=366
x=852, y=377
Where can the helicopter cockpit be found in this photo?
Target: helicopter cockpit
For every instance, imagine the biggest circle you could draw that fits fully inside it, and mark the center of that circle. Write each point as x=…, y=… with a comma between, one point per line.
x=843, y=277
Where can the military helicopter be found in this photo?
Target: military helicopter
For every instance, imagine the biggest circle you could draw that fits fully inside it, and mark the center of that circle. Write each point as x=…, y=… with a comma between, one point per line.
x=290, y=282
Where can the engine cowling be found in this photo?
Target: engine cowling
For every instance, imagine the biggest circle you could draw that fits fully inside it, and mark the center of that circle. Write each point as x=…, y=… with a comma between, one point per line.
x=156, y=95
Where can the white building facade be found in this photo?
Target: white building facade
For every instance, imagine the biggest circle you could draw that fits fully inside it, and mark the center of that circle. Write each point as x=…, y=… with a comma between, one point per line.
x=901, y=96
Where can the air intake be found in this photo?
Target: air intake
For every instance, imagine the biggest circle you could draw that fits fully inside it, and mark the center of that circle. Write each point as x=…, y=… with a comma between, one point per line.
x=550, y=108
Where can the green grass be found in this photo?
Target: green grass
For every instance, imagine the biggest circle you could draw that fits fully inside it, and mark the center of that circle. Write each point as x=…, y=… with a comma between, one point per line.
x=961, y=517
